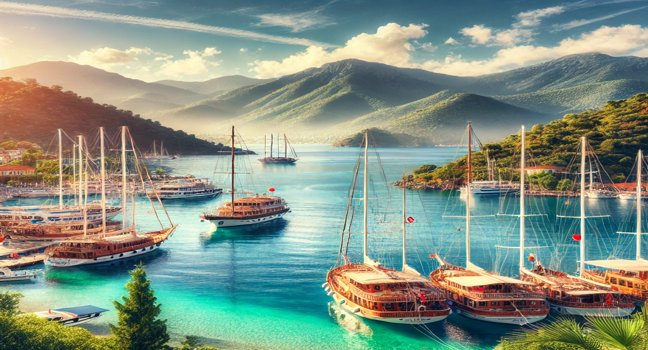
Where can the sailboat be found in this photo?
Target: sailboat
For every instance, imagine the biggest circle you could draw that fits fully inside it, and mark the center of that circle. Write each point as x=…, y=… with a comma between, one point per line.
x=627, y=276
x=278, y=159
x=112, y=245
x=490, y=187
x=56, y=214
x=249, y=210
x=375, y=292
x=160, y=154
x=568, y=294
x=482, y=295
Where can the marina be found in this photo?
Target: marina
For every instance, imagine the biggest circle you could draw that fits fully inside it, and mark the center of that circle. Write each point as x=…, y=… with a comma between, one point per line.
x=214, y=275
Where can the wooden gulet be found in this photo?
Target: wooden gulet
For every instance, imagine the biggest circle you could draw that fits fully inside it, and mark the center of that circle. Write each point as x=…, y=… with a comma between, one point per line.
x=112, y=245
x=244, y=211
x=481, y=295
x=568, y=294
x=627, y=276
x=372, y=291
x=278, y=159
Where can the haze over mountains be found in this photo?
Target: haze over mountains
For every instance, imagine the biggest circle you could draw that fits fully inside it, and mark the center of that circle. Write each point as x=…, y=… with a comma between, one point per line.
x=343, y=97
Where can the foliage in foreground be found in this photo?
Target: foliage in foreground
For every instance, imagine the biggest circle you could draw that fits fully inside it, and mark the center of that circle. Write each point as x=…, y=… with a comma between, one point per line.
x=606, y=333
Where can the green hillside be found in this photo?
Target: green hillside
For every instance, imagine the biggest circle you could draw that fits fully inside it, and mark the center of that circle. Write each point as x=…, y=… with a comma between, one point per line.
x=443, y=121
x=381, y=138
x=616, y=131
x=29, y=111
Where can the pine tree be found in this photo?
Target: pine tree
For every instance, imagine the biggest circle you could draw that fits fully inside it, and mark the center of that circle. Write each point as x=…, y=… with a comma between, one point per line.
x=138, y=326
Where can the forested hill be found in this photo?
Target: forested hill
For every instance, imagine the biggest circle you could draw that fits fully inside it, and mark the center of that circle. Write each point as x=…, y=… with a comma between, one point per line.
x=616, y=131
x=29, y=111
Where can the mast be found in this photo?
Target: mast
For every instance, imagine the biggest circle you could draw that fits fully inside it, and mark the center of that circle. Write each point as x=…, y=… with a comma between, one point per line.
x=123, y=170
x=154, y=149
x=60, y=161
x=639, y=166
x=582, y=205
x=468, y=193
x=522, y=195
x=74, y=171
x=404, y=226
x=365, y=198
x=271, y=143
x=161, y=148
x=265, y=146
x=103, y=179
x=233, y=158
x=80, y=170
x=278, y=155
x=285, y=147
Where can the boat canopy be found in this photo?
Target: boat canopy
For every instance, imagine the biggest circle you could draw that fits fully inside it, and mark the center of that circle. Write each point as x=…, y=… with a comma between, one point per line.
x=82, y=310
x=578, y=292
x=621, y=264
x=485, y=280
x=379, y=277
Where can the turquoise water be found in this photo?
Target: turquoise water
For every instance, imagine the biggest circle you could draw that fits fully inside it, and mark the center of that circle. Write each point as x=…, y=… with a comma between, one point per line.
x=260, y=287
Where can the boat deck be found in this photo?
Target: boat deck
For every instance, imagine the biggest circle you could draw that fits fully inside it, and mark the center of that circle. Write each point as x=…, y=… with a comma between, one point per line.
x=23, y=261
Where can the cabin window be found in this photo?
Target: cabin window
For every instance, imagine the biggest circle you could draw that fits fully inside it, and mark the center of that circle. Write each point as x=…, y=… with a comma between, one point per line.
x=613, y=280
x=494, y=303
x=622, y=282
x=629, y=284
x=482, y=303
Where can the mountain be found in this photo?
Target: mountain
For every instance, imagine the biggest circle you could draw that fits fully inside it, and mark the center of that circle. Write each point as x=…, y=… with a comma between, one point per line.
x=381, y=138
x=444, y=121
x=565, y=72
x=103, y=86
x=344, y=97
x=33, y=112
x=216, y=85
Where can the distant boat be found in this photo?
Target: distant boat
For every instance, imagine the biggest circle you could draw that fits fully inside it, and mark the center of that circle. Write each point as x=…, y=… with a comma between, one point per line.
x=7, y=275
x=72, y=316
x=278, y=159
x=247, y=210
x=490, y=187
x=161, y=154
x=187, y=188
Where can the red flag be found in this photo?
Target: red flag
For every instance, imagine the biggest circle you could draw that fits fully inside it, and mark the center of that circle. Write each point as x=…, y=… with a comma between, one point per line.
x=410, y=219
x=576, y=237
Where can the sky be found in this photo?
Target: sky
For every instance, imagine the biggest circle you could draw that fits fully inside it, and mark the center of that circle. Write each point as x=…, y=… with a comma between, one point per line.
x=196, y=40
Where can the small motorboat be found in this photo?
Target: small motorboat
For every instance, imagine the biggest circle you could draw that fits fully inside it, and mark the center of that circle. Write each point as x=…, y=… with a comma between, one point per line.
x=72, y=316
x=8, y=275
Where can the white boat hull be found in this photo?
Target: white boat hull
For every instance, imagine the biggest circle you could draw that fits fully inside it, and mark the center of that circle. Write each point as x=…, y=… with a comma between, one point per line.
x=354, y=310
x=591, y=312
x=189, y=196
x=17, y=278
x=245, y=222
x=62, y=262
x=513, y=320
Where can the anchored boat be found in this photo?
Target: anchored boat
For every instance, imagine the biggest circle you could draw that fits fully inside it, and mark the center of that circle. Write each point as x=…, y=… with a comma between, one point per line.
x=567, y=294
x=72, y=316
x=286, y=159
x=375, y=292
x=482, y=295
x=249, y=210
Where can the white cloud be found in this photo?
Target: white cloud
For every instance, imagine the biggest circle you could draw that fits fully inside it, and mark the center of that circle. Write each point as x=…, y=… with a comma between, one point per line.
x=296, y=22
x=390, y=45
x=618, y=41
x=106, y=57
x=478, y=34
x=146, y=64
x=533, y=18
x=451, y=41
x=196, y=63
x=582, y=22
x=243, y=49
x=63, y=12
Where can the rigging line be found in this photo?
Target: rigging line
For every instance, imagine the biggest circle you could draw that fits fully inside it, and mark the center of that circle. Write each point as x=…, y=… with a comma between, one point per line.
x=349, y=204
x=138, y=167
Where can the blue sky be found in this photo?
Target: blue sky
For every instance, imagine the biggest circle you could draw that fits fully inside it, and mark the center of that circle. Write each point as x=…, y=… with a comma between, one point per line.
x=198, y=40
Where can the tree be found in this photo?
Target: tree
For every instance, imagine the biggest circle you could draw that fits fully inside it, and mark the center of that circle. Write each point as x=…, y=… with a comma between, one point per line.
x=598, y=333
x=9, y=302
x=193, y=343
x=138, y=326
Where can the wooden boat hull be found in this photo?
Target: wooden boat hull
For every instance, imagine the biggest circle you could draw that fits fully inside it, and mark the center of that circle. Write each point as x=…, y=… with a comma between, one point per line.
x=356, y=310
x=591, y=312
x=65, y=262
x=234, y=222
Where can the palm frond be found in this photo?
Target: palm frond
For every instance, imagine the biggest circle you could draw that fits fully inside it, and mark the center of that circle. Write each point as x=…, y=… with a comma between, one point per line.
x=565, y=331
x=619, y=333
